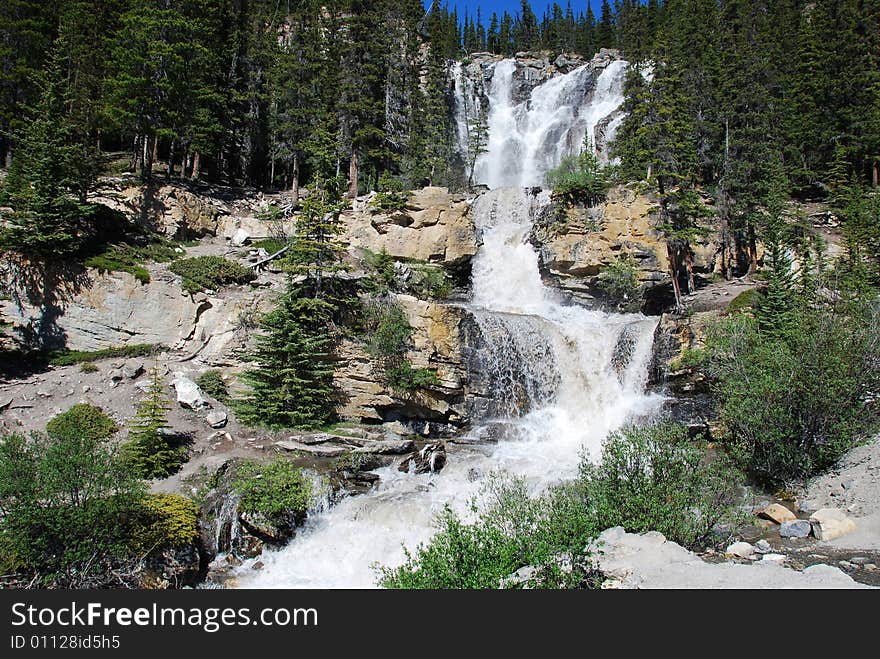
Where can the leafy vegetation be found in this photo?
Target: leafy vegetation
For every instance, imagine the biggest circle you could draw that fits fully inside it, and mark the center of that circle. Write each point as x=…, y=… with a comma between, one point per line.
x=649, y=478
x=581, y=178
x=127, y=257
x=213, y=384
x=794, y=399
x=619, y=281
x=277, y=491
x=84, y=420
x=202, y=273
x=390, y=196
x=68, y=507
x=167, y=521
x=71, y=357
x=388, y=334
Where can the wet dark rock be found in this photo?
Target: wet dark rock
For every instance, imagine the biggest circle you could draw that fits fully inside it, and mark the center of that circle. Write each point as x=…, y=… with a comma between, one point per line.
x=430, y=459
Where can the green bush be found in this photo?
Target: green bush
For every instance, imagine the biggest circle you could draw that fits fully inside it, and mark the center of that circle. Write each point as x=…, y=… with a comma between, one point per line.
x=793, y=402
x=70, y=357
x=88, y=367
x=745, y=301
x=390, y=196
x=271, y=245
x=277, y=491
x=213, y=384
x=388, y=339
x=167, y=521
x=82, y=420
x=654, y=478
x=650, y=478
x=510, y=531
x=580, y=178
x=68, y=509
x=210, y=272
x=620, y=283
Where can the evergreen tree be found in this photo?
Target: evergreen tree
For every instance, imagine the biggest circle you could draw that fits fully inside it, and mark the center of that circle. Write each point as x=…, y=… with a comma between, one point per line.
x=149, y=452
x=55, y=167
x=605, y=30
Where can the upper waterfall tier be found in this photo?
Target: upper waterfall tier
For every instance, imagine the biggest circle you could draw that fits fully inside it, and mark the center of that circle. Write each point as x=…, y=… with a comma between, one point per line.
x=537, y=115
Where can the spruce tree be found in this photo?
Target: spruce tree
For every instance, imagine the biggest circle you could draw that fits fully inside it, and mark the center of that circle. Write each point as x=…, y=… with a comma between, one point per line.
x=55, y=167
x=149, y=452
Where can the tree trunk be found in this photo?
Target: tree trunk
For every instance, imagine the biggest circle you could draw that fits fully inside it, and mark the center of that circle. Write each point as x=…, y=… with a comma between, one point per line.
x=294, y=179
x=689, y=263
x=171, y=156
x=136, y=152
x=8, y=162
x=195, y=172
x=155, y=157
x=753, y=250
x=876, y=173
x=353, y=175
x=673, y=271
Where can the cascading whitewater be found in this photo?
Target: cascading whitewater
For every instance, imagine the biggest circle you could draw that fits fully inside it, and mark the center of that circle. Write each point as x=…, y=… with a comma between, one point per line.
x=567, y=376
x=528, y=137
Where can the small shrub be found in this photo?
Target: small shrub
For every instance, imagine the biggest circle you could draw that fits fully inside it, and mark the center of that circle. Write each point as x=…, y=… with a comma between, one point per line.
x=580, y=178
x=271, y=245
x=654, y=478
x=650, y=478
x=277, y=491
x=168, y=521
x=793, y=402
x=390, y=196
x=88, y=367
x=210, y=272
x=389, y=334
x=430, y=281
x=620, y=283
x=82, y=421
x=212, y=383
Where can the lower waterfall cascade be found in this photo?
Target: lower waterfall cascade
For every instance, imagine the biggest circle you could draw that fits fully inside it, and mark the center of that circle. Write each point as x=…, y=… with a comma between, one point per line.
x=565, y=377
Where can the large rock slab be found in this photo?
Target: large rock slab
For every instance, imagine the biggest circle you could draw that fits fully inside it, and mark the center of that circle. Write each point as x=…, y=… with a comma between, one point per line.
x=435, y=226
x=188, y=393
x=831, y=523
x=116, y=309
x=651, y=561
x=778, y=513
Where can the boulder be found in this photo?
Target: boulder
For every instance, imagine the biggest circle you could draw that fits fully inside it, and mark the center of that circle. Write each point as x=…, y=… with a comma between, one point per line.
x=217, y=419
x=431, y=459
x=740, y=550
x=799, y=528
x=188, y=394
x=132, y=368
x=240, y=237
x=777, y=513
x=831, y=523
x=312, y=449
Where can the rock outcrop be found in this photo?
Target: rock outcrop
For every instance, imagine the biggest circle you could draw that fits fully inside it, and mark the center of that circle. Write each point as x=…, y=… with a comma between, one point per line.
x=577, y=242
x=436, y=341
x=435, y=226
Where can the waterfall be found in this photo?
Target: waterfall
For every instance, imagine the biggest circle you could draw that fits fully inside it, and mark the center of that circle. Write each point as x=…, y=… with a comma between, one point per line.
x=565, y=376
x=529, y=136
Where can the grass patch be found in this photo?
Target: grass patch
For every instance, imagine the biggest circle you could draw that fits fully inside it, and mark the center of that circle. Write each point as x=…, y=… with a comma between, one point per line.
x=71, y=357
x=745, y=301
x=271, y=245
x=124, y=257
x=210, y=273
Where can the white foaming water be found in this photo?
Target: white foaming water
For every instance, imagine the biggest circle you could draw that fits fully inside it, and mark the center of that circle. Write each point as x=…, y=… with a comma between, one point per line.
x=529, y=138
x=564, y=376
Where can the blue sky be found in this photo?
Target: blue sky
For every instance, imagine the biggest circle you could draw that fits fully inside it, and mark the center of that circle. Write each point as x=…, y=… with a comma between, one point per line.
x=512, y=6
